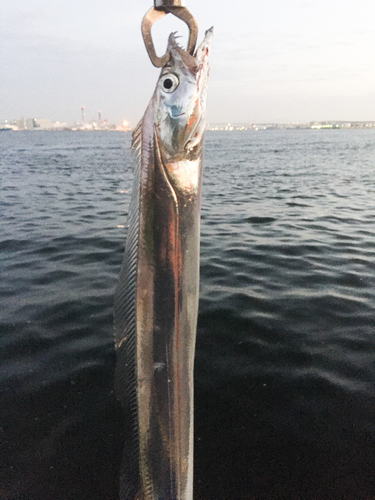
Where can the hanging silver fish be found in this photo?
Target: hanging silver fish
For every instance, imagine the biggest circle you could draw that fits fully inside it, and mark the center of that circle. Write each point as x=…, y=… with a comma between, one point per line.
x=156, y=302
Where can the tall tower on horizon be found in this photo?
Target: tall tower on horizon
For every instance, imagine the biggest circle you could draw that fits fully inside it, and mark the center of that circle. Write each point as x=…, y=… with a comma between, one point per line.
x=100, y=115
x=83, y=113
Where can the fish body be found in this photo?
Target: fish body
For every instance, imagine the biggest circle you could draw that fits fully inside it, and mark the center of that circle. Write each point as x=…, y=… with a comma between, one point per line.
x=156, y=301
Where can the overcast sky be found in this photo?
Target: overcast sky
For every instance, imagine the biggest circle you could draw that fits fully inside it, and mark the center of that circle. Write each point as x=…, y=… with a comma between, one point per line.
x=272, y=60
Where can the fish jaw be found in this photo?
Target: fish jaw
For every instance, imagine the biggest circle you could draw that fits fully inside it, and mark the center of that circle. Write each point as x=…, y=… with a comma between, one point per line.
x=180, y=109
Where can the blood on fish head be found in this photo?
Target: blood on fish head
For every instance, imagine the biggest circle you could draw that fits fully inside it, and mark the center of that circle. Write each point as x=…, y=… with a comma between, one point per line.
x=180, y=96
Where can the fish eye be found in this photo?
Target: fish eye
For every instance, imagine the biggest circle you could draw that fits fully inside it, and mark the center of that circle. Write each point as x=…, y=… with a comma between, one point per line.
x=169, y=82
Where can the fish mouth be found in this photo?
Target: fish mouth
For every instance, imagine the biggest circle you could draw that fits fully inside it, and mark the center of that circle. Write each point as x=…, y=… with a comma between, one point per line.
x=176, y=110
x=173, y=115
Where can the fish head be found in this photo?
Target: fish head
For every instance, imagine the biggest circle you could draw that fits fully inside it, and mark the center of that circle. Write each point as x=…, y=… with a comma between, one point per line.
x=180, y=99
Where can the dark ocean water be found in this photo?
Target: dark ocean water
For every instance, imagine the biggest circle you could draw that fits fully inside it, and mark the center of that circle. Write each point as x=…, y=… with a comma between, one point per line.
x=285, y=363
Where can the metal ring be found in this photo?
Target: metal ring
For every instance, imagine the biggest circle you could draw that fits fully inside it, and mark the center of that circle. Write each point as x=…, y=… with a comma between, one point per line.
x=154, y=15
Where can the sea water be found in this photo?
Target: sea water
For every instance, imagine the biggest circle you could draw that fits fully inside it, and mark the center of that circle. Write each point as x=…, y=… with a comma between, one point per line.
x=285, y=361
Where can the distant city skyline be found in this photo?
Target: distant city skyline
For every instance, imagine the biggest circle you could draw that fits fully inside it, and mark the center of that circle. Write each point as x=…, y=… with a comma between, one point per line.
x=295, y=61
x=28, y=123
x=34, y=124
x=87, y=120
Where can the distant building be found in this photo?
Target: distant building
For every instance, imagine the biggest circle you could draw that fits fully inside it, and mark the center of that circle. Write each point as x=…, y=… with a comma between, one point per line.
x=26, y=123
x=44, y=123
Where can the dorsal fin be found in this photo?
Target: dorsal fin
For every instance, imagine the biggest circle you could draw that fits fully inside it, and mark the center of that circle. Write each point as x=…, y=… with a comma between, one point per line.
x=125, y=296
x=125, y=331
x=137, y=135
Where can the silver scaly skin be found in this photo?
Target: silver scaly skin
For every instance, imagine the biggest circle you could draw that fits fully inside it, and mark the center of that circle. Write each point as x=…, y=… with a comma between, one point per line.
x=156, y=302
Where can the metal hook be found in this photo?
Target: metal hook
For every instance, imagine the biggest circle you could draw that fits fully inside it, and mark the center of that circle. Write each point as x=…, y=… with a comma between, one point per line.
x=162, y=8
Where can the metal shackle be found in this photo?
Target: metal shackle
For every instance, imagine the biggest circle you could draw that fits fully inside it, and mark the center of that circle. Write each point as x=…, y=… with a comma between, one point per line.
x=161, y=4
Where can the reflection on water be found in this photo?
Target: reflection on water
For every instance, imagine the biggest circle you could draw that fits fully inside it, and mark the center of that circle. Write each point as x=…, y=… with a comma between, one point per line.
x=285, y=374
